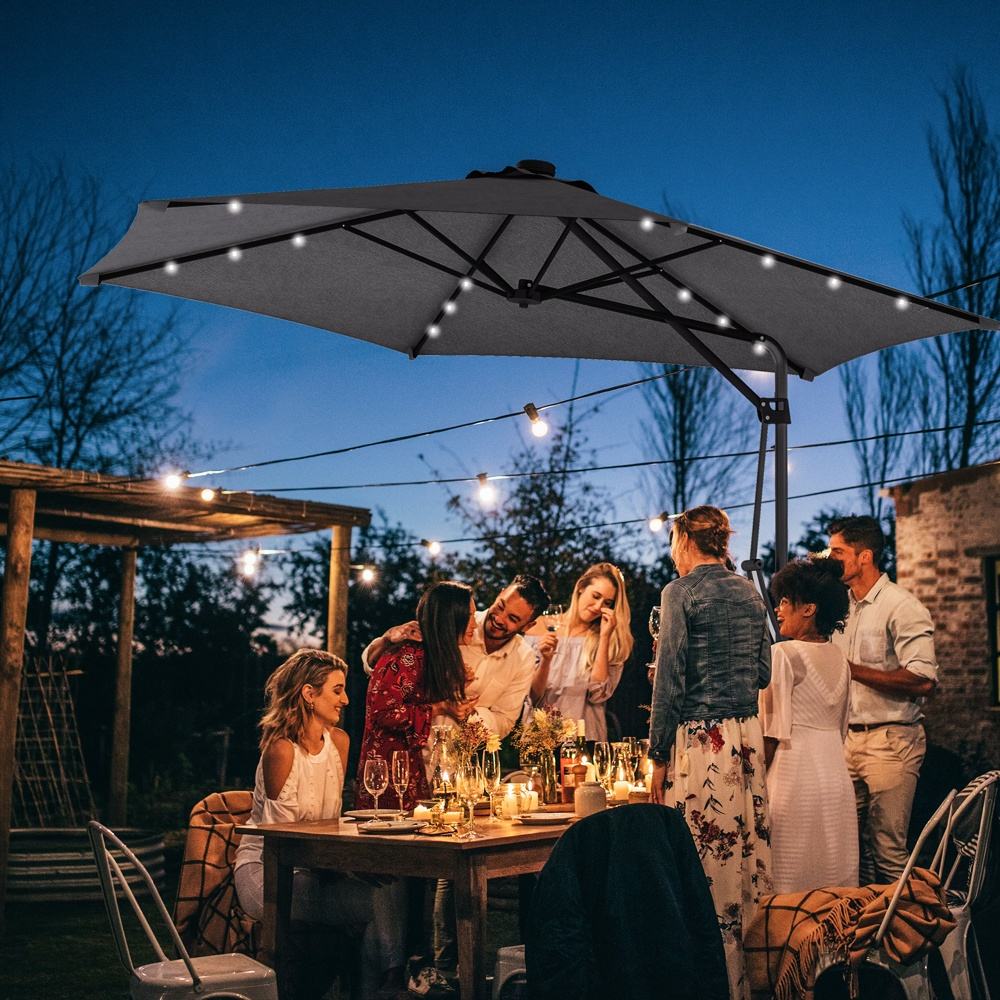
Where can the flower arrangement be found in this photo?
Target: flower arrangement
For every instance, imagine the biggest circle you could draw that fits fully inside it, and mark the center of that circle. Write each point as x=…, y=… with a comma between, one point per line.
x=543, y=732
x=468, y=737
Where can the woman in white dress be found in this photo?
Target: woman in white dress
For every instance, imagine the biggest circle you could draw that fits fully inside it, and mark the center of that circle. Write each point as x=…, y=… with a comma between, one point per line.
x=300, y=776
x=581, y=655
x=803, y=712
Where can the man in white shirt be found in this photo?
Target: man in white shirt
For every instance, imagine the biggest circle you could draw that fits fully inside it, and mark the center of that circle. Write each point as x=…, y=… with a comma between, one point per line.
x=889, y=643
x=501, y=664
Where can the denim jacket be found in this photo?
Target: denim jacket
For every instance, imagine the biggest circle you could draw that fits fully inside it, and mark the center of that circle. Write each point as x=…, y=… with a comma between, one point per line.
x=713, y=653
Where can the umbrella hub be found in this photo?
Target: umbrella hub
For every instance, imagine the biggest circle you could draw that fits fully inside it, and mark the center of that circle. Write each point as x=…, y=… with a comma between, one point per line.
x=526, y=294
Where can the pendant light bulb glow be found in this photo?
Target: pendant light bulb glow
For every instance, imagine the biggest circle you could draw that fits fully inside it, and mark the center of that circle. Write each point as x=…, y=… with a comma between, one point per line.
x=466, y=285
x=235, y=206
x=768, y=261
x=656, y=524
x=450, y=308
x=208, y=494
x=298, y=240
x=902, y=303
x=433, y=547
x=487, y=492
x=833, y=282
x=683, y=295
x=647, y=225
x=235, y=254
x=538, y=426
x=171, y=267
x=433, y=330
x=759, y=348
x=367, y=575
x=173, y=480
x=249, y=563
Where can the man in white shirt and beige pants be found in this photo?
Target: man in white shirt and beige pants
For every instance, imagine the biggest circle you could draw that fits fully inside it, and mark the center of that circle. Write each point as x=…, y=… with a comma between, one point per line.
x=889, y=643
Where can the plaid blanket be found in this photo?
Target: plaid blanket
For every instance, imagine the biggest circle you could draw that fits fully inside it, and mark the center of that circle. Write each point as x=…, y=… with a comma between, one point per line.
x=792, y=932
x=207, y=913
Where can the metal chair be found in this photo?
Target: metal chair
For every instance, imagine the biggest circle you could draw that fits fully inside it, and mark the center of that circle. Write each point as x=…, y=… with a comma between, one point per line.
x=234, y=976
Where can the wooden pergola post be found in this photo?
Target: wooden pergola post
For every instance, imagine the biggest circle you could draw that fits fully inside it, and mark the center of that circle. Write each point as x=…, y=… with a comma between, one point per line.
x=13, y=614
x=340, y=571
x=122, y=720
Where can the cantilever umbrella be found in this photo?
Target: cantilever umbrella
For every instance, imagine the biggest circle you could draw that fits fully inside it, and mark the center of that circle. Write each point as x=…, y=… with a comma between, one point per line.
x=519, y=262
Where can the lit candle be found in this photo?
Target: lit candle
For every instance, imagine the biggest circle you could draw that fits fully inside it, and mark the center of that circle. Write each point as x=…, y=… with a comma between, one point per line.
x=621, y=790
x=532, y=801
x=454, y=816
x=648, y=777
x=591, y=770
x=422, y=813
x=510, y=806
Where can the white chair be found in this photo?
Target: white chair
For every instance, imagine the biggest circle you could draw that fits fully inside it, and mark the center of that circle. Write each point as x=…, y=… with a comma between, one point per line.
x=961, y=860
x=237, y=977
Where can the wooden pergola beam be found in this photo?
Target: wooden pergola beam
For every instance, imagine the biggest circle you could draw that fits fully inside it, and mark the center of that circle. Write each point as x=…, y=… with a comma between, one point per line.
x=340, y=571
x=121, y=726
x=13, y=615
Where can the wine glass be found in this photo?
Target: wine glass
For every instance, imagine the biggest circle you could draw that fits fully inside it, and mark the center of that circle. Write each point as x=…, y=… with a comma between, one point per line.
x=376, y=778
x=603, y=762
x=634, y=753
x=400, y=775
x=552, y=617
x=491, y=775
x=469, y=786
x=654, y=622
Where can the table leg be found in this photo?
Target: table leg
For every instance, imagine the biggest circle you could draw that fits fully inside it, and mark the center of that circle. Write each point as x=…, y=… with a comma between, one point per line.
x=470, y=921
x=277, y=905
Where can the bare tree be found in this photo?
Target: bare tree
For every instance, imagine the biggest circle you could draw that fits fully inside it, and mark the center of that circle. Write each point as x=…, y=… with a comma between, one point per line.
x=879, y=399
x=101, y=370
x=692, y=414
x=960, y=371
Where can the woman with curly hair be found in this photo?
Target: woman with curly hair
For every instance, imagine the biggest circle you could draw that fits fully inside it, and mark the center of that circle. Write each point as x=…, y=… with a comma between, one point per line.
x=712, y=658
x=814, y=825
x=580, y=664
x=300, y=776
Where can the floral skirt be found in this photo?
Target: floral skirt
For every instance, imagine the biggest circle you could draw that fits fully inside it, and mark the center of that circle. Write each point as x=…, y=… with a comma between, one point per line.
x=716, y=779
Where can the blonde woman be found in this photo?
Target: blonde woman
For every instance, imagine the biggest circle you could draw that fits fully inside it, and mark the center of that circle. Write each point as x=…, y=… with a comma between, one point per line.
x=300, y=776
x=581, y=662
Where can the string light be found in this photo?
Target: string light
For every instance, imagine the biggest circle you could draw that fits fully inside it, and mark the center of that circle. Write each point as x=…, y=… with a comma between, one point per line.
x=434, y=548
x=768, y=261
x=450, y=308
x=722, y=321
x=902, y=303
x=235, y=206
x=759, y=347
x=683, y=295
x=298, y=240
x=208, y=494
x=487, y=491
x=367, y=574
x=656, y=523
x=173, y=480
x=250, y=562
x=433, y=330
x=171, y=267
x=466, y=284
x=538, y=426
x=235, y=253
x=833, y=282
x=647, y=224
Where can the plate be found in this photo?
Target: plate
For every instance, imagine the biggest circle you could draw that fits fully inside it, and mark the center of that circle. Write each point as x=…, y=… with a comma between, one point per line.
x=368, y=813
x=545, y=819
x=391, y=827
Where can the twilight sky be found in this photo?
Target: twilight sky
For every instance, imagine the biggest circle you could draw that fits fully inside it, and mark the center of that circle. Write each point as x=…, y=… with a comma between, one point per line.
x=798, y=126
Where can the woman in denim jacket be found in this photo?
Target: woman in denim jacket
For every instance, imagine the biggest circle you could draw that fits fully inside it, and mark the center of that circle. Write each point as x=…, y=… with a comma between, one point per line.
x=713, y=656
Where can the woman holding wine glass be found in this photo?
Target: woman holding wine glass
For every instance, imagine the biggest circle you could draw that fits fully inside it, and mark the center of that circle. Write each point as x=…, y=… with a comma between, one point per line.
x=413, y=682
x=581, y=661
x=300, y=776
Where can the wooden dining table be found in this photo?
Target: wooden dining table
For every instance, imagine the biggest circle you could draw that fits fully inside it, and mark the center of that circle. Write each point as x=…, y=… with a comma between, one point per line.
x=507, y=848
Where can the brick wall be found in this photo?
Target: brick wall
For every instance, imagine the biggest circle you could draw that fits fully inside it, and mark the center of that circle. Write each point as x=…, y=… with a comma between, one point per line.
x=945, y=527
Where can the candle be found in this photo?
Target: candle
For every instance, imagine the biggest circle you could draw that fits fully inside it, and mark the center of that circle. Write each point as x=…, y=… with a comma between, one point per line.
x=591, y=771
x=510, y=805
x=455, y=816
x=648, y=777
x=529, y=800
x=422, y=813
x=621, y=790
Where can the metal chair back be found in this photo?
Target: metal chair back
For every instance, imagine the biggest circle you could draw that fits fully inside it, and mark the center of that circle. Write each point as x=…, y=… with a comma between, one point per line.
x=113, y=880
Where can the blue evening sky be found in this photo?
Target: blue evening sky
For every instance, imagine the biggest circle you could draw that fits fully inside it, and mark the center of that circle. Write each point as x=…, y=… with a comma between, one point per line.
x=801, y=126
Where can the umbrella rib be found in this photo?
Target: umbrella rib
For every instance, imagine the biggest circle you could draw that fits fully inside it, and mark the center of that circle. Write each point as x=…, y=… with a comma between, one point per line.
x=560, y=239
x=477, y=264
x=669, y=318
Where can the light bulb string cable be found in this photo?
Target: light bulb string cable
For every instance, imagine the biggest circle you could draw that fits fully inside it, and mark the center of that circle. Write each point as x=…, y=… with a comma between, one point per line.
x=647, y=463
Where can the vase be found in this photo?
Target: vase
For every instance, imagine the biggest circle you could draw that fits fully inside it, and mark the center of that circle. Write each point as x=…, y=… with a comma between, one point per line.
x=544, y=770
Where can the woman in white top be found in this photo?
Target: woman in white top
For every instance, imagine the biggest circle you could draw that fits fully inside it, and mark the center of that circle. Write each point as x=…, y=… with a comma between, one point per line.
x=300, y=776
x=581, y=656
x=803, y=712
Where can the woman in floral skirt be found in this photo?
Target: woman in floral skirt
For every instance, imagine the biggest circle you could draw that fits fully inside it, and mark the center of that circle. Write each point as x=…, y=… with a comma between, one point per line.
x=713, y=656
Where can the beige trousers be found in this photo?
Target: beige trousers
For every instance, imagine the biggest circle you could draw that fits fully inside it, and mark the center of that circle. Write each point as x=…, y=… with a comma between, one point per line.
x=884, y=764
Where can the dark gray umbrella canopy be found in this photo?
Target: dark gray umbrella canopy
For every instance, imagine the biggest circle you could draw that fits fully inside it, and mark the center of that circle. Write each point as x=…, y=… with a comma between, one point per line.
x=557, y=271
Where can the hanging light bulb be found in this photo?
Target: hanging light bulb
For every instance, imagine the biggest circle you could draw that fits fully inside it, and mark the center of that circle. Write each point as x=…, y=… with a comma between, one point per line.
x=173, y=480
x=171, y=267
x=656, y=523
x=487, y=491
x=538, y=426
x=759, y=347
x=647, y=224
x=466, y=284
x=235, y=253
x=367, y=574
x=768, y=261
x=450, y=308
x=434, y=548
x=250, y=562
x=298, y=240
x=235, y=206
x=683, y=295
x=902, y=303
x=433, y=330
x=208, y=494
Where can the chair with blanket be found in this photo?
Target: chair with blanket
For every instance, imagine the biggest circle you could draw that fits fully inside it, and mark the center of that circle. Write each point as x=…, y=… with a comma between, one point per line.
x=622, y=908
x=208, y=915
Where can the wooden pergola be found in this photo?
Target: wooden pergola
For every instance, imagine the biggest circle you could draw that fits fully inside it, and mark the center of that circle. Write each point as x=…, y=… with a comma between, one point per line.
x=64, y=505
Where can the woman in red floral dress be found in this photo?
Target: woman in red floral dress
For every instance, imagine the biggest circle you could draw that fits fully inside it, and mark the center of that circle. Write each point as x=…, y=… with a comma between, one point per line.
x=413, y=682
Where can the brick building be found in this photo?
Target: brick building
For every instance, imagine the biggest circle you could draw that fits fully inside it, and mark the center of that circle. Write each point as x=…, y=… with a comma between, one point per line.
x=948, y=555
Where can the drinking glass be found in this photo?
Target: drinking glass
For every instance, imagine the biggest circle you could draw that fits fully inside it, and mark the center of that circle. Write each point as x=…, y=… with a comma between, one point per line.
x=654, y=621
x=376, y=778
x=552, y=618
x=469, y=786
x=603, y=762
x=634, y=753
x=491, y=775
x=400, y=775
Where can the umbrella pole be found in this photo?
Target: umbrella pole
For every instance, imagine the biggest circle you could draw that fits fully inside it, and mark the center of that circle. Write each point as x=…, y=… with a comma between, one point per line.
x=780, y=457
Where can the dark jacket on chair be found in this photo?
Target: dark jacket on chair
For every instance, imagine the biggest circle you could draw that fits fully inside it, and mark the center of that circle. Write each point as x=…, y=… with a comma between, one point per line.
x=622, y=909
